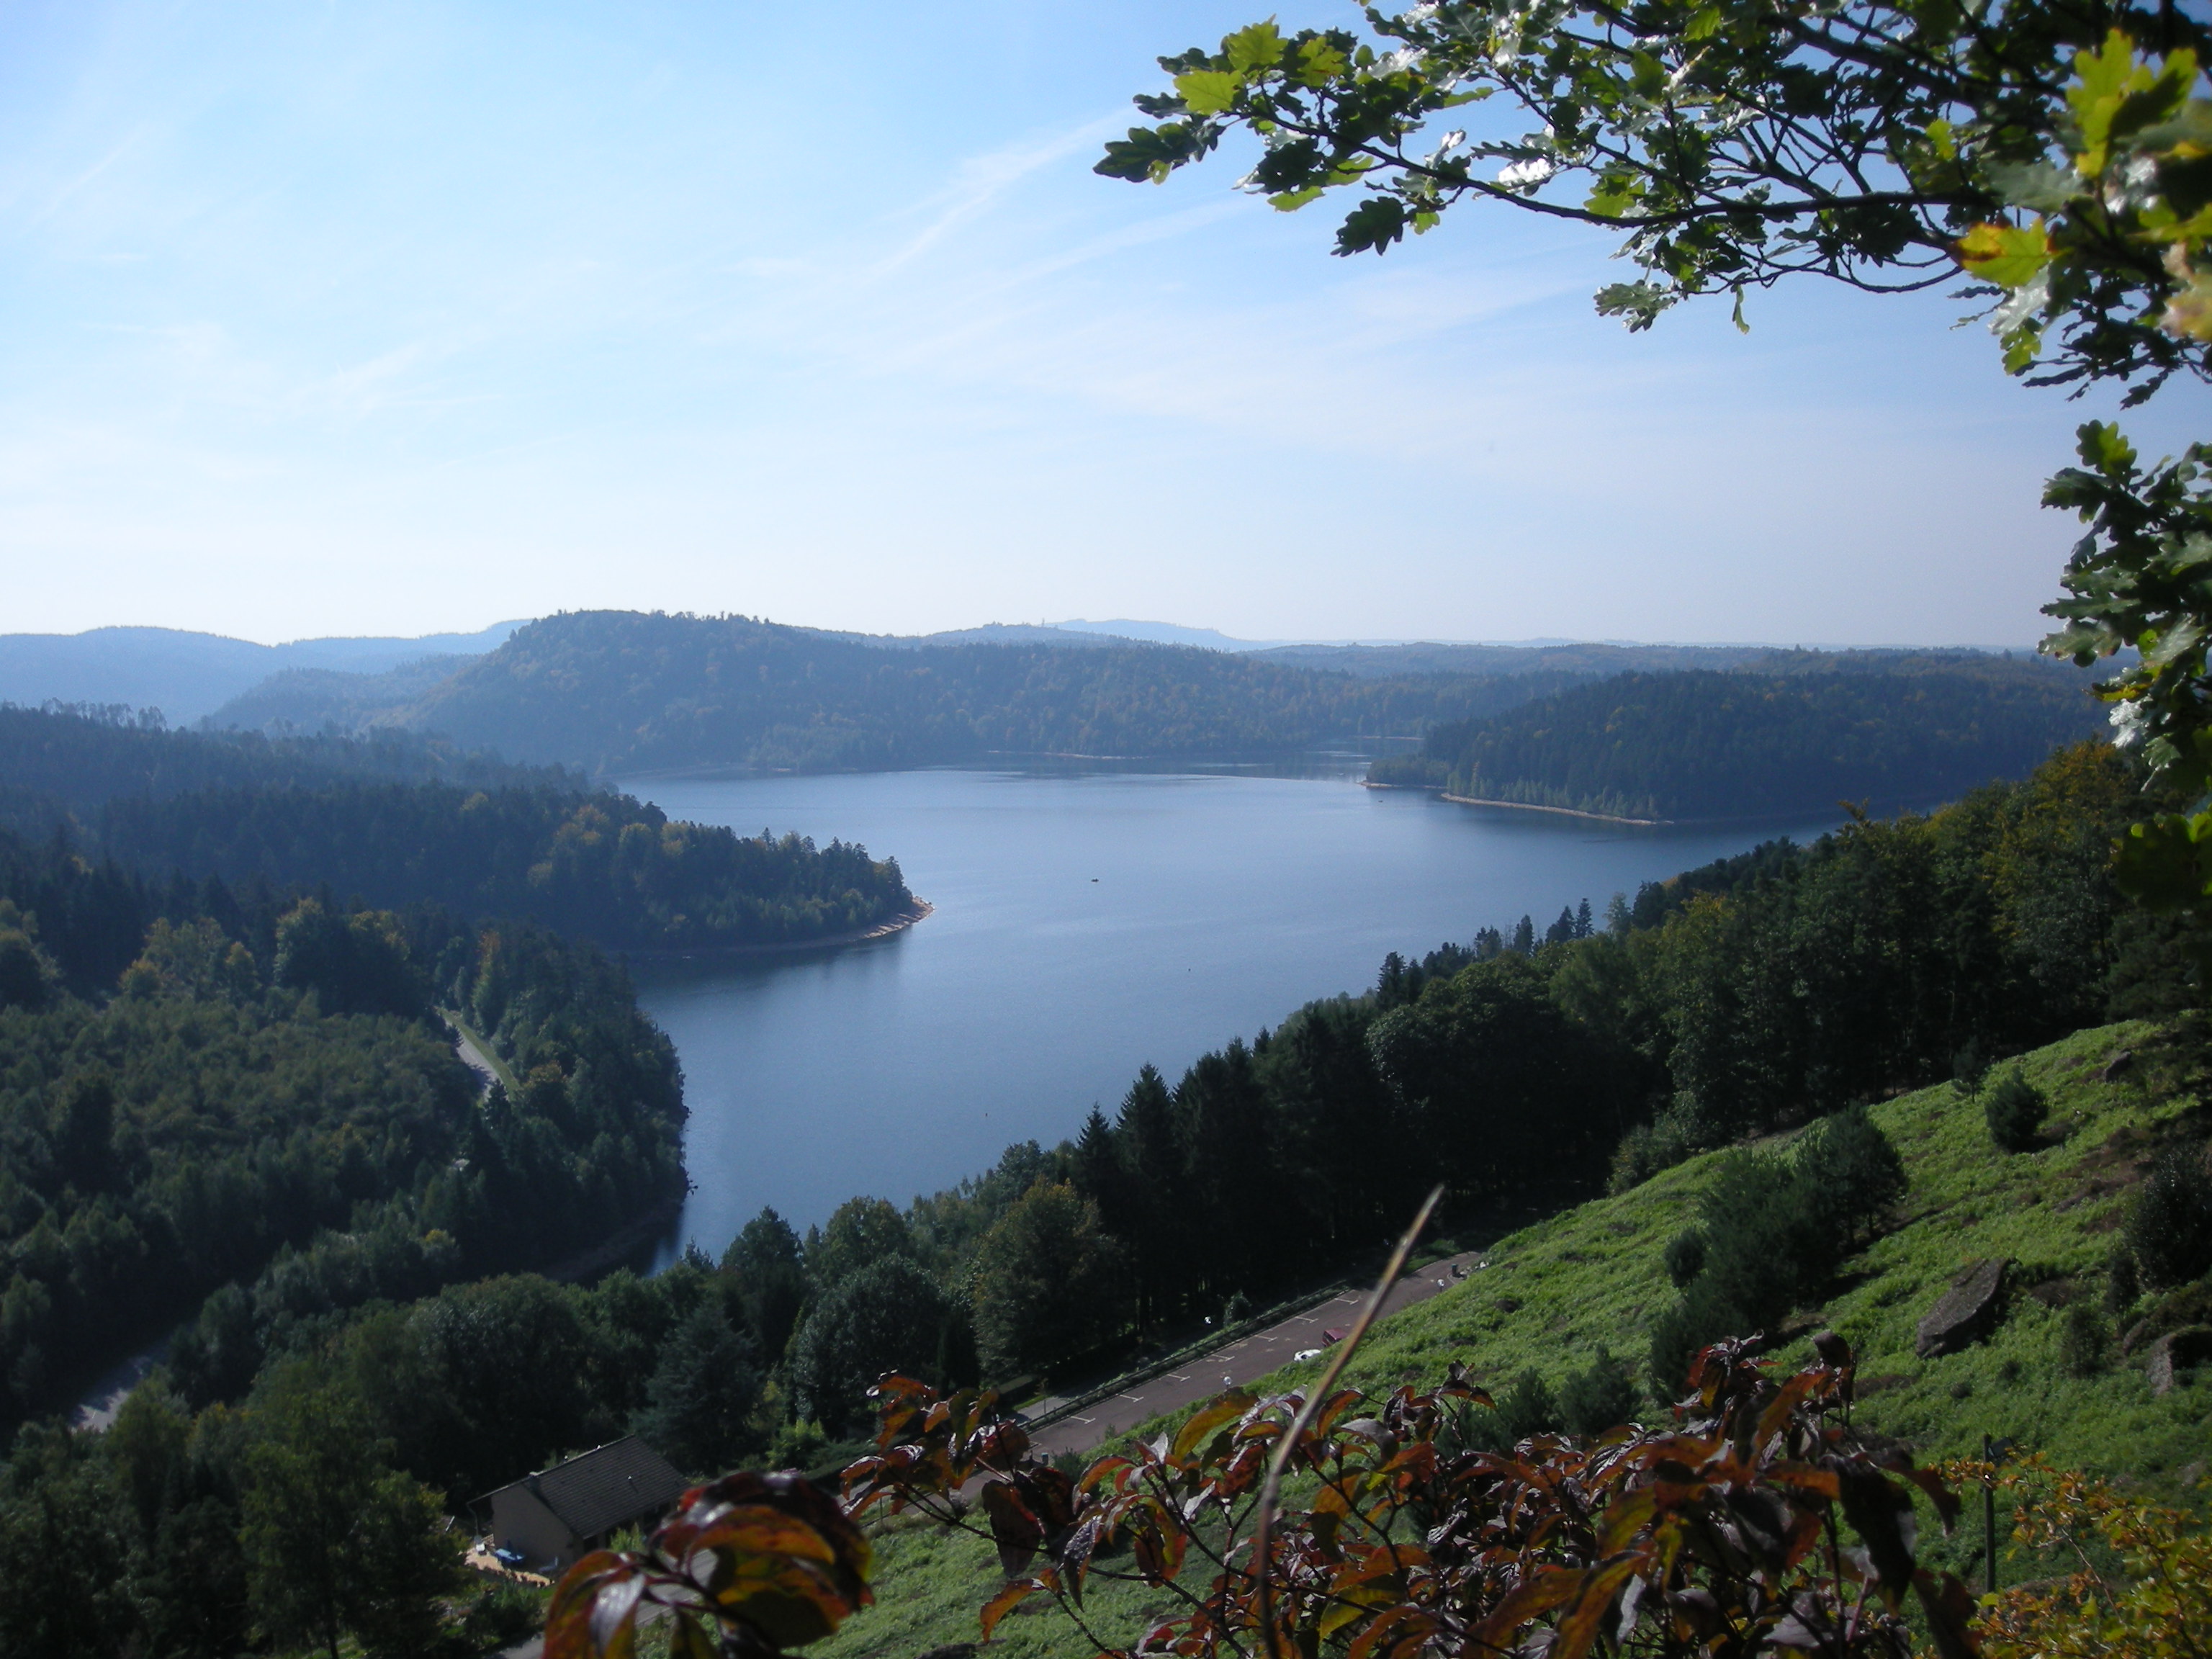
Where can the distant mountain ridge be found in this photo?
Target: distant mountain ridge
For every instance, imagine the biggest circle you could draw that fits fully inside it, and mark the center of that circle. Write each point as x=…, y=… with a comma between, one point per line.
x=308, y=700
x=1156, y=633
x=624, y=692
x=187, y=674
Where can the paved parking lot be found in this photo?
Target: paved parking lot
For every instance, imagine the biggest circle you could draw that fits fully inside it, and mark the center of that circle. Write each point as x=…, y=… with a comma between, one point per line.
x=1243, y=1361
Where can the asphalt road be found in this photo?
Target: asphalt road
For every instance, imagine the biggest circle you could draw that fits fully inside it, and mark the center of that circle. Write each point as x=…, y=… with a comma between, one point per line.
x=1243, y=1361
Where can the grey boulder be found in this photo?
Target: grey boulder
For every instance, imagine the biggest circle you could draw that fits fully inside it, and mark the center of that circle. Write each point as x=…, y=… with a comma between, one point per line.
x=1965, y=1314
x=2174, y=1352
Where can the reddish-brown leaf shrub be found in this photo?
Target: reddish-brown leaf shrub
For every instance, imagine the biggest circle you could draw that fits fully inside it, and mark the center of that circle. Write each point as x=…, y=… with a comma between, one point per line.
x=1759, y=1521
x=749, y=1564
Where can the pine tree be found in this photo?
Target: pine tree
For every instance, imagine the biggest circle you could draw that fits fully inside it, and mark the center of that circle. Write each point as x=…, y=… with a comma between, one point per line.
x=1390, y=987
x=700, y=1402
x=1524, y=937
x=1101, y=1176
x=765, y=1261
x=1152, y=1159
x=1582, y=927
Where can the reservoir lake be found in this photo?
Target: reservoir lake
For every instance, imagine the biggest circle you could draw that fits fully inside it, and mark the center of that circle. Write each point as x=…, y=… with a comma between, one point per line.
x=1086, y=922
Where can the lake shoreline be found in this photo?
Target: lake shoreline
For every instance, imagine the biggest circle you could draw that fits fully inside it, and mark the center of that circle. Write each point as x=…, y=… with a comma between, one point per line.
x=1530, y=806
x=920, y=910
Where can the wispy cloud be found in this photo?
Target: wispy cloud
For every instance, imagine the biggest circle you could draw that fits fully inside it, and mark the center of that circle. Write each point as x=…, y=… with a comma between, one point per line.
x=660, y=305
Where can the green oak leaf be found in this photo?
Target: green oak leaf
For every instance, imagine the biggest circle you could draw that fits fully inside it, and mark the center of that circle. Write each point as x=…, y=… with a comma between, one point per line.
x=1209, y=92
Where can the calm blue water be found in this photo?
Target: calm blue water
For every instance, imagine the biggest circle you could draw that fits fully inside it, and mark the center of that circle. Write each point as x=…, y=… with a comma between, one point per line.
x=1086, y=923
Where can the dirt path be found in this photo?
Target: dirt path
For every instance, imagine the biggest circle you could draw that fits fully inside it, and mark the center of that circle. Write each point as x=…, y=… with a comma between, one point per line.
x=1245, y=1360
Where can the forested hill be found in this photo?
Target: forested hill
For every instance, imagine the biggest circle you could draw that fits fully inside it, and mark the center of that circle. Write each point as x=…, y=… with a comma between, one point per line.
x=399, y=821
x=76, y=758
x=1703, y=745
x=619, y=691
x=602, y=866
x=256, y=1096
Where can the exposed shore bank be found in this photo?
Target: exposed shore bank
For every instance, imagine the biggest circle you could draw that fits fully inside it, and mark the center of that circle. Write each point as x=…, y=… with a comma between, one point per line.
x=1528, y=806
x=920, y=910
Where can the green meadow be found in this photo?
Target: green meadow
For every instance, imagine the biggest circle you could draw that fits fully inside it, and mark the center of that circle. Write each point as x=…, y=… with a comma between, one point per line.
x=1552, y=1293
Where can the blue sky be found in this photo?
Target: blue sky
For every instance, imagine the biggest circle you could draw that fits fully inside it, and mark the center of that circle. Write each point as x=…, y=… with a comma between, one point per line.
x=401, y=317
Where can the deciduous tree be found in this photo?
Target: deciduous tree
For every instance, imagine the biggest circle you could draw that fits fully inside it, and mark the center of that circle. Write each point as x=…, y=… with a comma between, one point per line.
x=1046, y=1285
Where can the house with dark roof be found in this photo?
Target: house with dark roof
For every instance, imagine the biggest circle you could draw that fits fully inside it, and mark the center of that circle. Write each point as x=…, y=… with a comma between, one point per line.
x=558, y=1515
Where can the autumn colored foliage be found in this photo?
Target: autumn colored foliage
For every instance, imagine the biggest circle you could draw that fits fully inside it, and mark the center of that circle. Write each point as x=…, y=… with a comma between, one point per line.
x=750, y=1564
x=1756, y=1519
x=2139, y=1577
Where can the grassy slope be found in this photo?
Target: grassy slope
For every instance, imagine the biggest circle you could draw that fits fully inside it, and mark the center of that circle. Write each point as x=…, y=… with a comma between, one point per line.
x=1593, y=1274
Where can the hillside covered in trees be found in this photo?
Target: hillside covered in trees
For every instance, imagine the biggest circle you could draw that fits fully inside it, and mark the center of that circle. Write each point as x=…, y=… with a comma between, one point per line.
x=1797, y=735
x=399, y=820
x=1684, y=733
x=602, y=866
x=265, y=1095
x=620, y=691
x=59, y=761
x=1532, y=1067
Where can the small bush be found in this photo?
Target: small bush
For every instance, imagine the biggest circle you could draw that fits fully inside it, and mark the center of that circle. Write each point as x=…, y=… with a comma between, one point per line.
x=1703, y=1314
x=1603, y=1397
x=2169, y=1226
x=2015, y=1109
x=1970, y=1068
x=1634, y=1161
x=1527, y=1408
x=499, y=1617
x=1766, y=1246
x=1775, y=1229
x=2122, y=1287
x=2085, y=1341
x=2190, y=1306
x=1847, y=1172
x=1680, y=1133
x=1686, y=1257
x=796, y=1445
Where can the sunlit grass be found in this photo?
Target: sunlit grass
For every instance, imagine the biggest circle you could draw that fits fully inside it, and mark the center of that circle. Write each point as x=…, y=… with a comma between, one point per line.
x=1593, y=1275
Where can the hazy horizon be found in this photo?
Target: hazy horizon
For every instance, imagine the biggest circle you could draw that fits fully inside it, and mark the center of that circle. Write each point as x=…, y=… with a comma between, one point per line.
x=346, y=321
x=1528, y=643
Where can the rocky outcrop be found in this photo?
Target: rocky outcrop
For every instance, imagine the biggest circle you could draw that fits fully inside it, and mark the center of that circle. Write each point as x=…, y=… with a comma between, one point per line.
x=2174, y=1352
x=1965, y=1314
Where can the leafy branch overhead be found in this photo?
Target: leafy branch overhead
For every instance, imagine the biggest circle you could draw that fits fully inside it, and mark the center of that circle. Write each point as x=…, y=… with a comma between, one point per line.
x=1736, y=143
x=2141, y=577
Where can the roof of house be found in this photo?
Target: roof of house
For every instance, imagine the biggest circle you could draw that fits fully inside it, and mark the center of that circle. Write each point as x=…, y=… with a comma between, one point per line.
x=608, y=1486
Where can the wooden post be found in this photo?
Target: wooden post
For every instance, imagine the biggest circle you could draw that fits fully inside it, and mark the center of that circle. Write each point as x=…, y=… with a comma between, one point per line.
x=1990, y=1519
